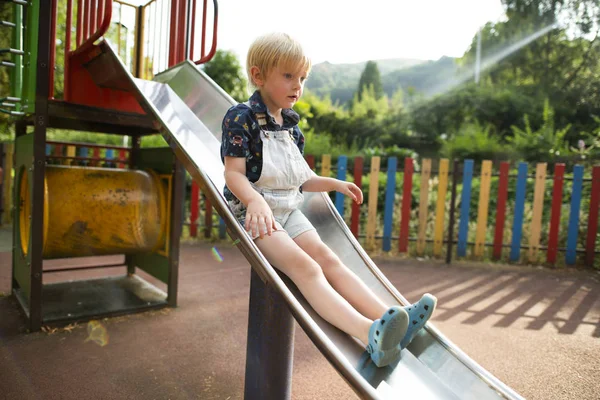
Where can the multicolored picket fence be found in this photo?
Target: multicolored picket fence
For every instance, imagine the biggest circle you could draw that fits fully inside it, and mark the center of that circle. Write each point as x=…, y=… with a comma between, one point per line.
x=430, y=208
x=462, y=210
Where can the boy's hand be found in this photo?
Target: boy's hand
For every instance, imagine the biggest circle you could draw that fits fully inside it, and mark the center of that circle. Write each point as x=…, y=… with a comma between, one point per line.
x=259, y=218
x=351, y=190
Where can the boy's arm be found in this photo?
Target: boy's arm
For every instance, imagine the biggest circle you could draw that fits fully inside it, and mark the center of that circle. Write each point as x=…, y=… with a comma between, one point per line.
x=237, y=182
x=320, y=184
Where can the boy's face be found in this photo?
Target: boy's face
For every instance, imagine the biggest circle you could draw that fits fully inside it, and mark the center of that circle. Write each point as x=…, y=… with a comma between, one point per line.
x=282, y=87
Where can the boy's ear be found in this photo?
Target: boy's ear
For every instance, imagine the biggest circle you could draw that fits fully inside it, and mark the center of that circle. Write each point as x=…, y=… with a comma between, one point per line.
x=256, y=76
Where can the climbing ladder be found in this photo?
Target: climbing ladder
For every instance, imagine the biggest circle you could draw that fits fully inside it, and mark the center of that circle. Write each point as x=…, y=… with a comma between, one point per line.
x=8, y=105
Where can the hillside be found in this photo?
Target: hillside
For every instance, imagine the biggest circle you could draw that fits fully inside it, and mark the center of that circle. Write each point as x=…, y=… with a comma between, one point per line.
x=341, y=80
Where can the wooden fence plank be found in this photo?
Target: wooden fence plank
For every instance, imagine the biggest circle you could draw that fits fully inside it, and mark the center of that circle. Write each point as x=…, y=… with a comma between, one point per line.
x=373, y=191
x=326, y=165
x=538, y=207
x=70, y=153
x=517, y=229
x=573, y=228
x=590, y=243
x=406, y=203
x=194, y=209
x=557, y=193
x=438, y=235
x=355, y=218
x=390, y=197
x=341, y=175
x=423, y=205
x=465, y=205
x=482, y=209
x=501, y=209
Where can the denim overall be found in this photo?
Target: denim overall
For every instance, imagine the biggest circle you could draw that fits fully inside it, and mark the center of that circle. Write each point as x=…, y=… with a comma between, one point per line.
x=284, y=170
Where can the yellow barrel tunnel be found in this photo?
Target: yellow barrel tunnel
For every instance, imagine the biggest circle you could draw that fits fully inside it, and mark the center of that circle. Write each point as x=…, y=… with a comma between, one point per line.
x=97, y=211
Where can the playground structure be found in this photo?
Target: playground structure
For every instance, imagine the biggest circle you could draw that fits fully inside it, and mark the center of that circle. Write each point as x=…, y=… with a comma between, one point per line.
x=81, y=209
x=105, y=92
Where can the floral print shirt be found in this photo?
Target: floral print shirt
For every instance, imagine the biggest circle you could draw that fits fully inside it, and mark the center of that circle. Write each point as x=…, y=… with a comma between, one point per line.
x=241, y=135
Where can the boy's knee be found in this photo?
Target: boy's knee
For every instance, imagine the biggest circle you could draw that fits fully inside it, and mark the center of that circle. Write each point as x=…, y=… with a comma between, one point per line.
x=304, y=267
x=327, y=259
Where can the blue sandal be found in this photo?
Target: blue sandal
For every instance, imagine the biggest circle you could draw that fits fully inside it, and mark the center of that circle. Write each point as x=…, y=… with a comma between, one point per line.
x=385, y=336
x=419, y=313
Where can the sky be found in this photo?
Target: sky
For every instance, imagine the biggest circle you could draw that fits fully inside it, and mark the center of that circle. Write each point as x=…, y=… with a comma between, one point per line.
x=351, y=31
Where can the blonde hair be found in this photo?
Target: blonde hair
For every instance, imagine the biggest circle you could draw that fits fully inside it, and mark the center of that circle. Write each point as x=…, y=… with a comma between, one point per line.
x=276, y=50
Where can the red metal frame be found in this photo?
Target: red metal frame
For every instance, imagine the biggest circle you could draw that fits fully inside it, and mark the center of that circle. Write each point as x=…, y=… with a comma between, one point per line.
x=213, y=48
x=93, y=20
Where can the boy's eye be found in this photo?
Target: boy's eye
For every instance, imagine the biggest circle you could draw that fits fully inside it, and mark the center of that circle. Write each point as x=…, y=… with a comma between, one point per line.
x=287, y=76
x=303, y=79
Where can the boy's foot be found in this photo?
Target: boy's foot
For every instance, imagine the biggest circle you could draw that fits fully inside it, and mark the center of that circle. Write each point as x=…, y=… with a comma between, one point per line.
x=419, y=313
x=385, y=336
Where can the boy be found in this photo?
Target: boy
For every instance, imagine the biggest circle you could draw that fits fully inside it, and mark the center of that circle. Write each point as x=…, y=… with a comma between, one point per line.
x=266, y=174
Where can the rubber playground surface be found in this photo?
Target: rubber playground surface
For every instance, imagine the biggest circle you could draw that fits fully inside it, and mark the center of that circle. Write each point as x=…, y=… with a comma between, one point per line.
x=537, y=330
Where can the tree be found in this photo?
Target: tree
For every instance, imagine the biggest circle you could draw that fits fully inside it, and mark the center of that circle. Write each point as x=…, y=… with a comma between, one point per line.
x=226, y=71
x=370, y=77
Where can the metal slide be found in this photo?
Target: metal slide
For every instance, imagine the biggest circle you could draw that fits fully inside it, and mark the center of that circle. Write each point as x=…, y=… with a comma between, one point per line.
x=189, y=107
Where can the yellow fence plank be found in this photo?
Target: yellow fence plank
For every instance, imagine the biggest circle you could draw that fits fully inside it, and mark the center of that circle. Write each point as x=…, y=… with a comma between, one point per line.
x=372, y=210
x=438, y=235
x=538, y=207
x=70, y=153
x=326, y=165
x=8, y=183
x=423, y=205
x=482, y=210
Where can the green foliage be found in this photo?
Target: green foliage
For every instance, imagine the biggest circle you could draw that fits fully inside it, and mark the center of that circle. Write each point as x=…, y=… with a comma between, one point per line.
x=476, y=142
x=371, y=79
x=368, y=104
x=545, y=143
x=226, y=71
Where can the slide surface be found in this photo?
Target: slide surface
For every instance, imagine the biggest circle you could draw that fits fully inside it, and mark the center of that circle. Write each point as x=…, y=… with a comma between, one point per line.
x=189, y=107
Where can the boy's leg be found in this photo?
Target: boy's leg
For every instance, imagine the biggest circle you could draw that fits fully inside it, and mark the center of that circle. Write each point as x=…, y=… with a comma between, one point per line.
x=284, y=254
x=344, y=280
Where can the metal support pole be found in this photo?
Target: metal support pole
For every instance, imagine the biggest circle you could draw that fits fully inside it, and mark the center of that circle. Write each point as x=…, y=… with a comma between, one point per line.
x=270, y=345
x=175, y=231
x=39, y=166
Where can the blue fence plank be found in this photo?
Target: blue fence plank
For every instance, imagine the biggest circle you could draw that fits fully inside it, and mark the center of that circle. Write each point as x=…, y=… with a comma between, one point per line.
x=222, y=228
x=465, y=203
x=517, y=229
x=109, y=156
x=48, y=149
x=572, y=230
x=83, y=152
x=342, y=166
x=390, y=192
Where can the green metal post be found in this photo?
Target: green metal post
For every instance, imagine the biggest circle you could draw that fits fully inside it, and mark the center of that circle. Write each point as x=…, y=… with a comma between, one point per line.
x=31, y=56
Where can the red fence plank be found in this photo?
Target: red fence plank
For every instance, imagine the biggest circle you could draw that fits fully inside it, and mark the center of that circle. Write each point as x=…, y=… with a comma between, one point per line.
x=122, y=158
x=310, y=160
x=501, y=209
x=96, y=156
x=406, y=201
x=207, y=217
x=194, y=207
x=593, y=217
x=559, y=173
x=355, y=217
